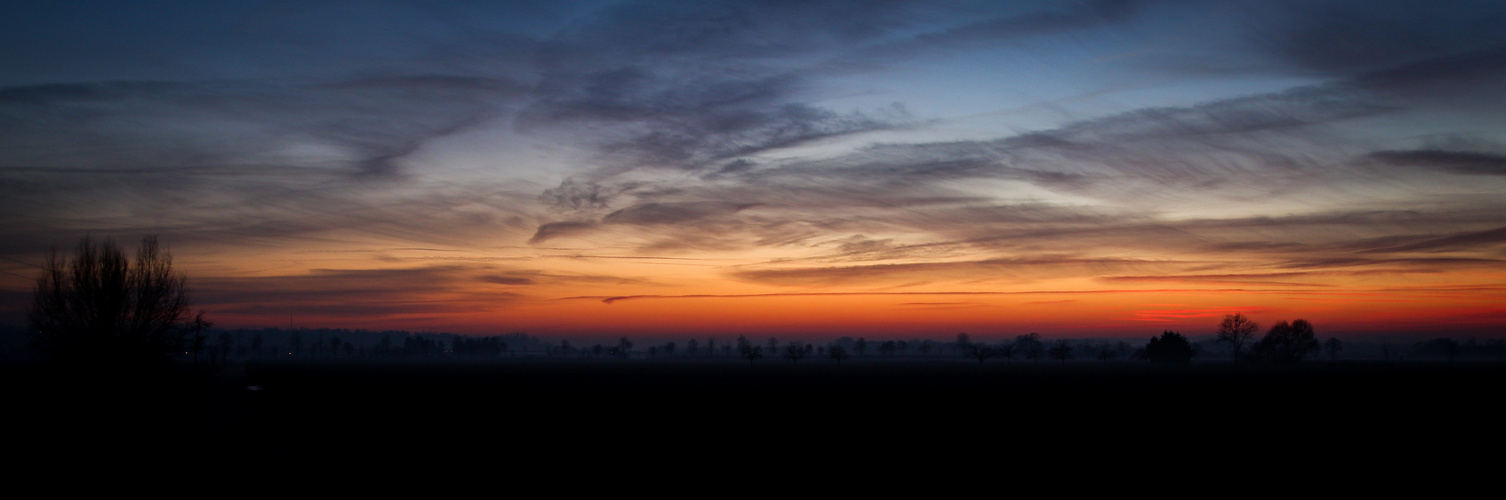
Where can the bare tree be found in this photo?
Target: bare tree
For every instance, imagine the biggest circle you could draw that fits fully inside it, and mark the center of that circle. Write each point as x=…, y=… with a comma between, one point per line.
x=1333, y=346
x=99, y=305
x=979, y=351
x=794, y=352
x=624, y=347
x=837, y=353
x=1107, y=353
x=1030, y=345
x=1062, y=351
x=196, y=336
x=1237, y=330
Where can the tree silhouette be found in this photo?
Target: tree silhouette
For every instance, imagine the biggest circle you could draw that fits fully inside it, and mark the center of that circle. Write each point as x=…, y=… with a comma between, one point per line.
x=1450, y=347
x=837, y=353
x=974, y=350
x=1286, y=343
x=624, y=347
x=1333, y=346
x=196, y=336
x=1107, y=353
x=1005, y=350
x=1062, y=351
x=794, y=352
x=1030, y=346
x=1445, y=347
x=1170, y=348
x=1237, y=330
x=221, y=350
x=979, y=351
x=98, y=305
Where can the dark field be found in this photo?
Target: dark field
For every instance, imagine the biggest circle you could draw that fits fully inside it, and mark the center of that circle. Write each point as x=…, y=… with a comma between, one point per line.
x=331, y=422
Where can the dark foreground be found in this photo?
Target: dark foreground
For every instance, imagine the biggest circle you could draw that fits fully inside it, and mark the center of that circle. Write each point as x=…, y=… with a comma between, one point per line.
x=339, y=423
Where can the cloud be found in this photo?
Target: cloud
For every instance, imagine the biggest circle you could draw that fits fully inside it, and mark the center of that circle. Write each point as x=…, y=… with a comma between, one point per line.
x=689, y=213
x=994, y=26
x=1456, y=242
x=382, y=293
x=553, y=230
x=1418, y=262
x=573, y=195
x=507, y=280
x=1355, y=36
x=613, y=299
x=359, y=126
x=1261, y=279
x=1460, y=162
x=370, y=293
x=1017, y=270
x=668, y=120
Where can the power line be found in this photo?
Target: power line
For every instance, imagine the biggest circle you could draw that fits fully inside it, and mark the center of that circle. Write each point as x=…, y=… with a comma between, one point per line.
x=17, y=275
x=19, y=261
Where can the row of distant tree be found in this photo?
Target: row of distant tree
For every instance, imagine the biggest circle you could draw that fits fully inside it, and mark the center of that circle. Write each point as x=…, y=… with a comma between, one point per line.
x=339, y=343
x=1283, y=343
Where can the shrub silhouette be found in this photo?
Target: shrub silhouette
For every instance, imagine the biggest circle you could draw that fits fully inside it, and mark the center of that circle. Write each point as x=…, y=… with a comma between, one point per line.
x=1170, y=348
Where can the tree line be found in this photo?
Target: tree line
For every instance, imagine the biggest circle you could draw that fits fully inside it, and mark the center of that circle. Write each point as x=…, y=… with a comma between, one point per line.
x=99, y=306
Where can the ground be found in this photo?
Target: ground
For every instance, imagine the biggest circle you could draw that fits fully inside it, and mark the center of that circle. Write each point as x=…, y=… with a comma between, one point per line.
x=333, y=423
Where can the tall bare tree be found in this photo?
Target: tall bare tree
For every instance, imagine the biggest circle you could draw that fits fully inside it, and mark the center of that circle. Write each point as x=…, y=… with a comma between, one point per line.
x=97, y=304
x=1237, y=330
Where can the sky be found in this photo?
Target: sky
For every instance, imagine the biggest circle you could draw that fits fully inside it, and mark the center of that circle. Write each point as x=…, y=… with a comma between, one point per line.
x=803, y=168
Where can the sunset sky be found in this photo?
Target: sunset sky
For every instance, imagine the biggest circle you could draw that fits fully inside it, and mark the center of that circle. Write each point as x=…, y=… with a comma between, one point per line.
x=804, y=168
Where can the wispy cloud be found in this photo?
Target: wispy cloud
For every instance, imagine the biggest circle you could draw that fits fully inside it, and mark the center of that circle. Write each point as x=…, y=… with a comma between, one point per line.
x=843, y=146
